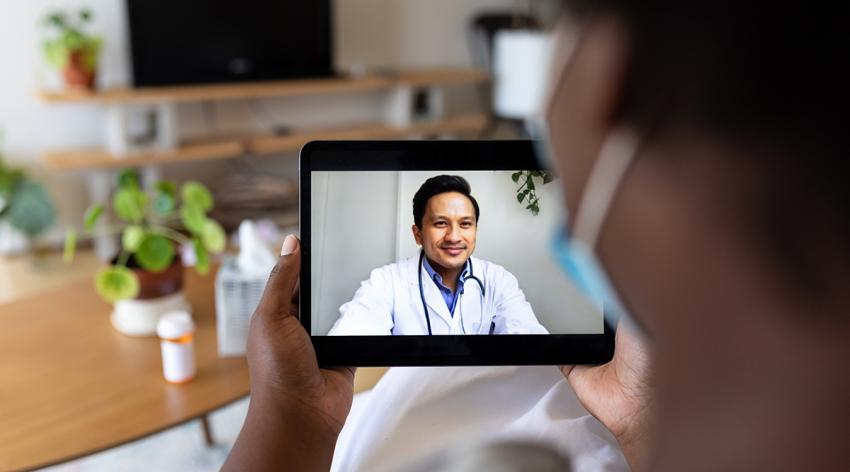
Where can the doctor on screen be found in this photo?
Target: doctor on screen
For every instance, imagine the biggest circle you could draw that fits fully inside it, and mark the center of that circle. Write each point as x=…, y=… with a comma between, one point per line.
x=443, y=289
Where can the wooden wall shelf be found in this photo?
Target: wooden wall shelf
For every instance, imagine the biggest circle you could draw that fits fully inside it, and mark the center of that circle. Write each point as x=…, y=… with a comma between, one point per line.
x=83, y=159
x=195, y=93
x=160, y=104
x=451, y=125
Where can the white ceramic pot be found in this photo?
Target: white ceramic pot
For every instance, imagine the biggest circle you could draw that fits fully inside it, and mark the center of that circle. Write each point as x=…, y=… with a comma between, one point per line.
x=139, y=317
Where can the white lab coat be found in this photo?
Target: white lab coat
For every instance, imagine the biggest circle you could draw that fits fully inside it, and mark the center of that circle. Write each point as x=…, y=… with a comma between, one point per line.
x=388, y=303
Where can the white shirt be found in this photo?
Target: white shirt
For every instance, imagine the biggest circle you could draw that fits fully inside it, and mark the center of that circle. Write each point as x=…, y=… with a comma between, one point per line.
x=389, y=303
x=416, y=412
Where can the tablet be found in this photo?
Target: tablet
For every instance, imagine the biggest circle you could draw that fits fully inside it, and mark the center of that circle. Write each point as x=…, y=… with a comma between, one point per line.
x=437, y=253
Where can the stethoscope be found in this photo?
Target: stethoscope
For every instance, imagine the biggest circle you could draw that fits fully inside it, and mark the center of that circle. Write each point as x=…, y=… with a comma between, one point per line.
x=471, y=276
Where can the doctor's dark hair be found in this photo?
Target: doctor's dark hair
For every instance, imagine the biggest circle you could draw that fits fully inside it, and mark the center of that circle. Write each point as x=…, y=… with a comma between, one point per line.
x=437, y=185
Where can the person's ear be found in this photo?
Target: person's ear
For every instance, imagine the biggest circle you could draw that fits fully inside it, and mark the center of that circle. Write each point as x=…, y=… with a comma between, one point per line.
x=417, y=235
x=587, y=97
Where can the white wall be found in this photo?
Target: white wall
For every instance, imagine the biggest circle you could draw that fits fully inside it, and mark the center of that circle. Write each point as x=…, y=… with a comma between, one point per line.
x=362, y=220
x=353, y=216
x=394, y=33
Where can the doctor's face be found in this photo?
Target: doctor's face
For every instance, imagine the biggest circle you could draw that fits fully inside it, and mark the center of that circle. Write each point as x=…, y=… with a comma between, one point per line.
x=448, y=230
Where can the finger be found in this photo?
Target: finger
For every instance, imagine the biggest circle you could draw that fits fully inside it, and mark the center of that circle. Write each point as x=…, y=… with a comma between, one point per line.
x=277, y=296
x=566, y=369
x=575, y=372
x=346, y=372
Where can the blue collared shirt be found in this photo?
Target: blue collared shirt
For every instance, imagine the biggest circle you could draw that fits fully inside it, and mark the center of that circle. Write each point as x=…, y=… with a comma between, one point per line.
x=449, y=296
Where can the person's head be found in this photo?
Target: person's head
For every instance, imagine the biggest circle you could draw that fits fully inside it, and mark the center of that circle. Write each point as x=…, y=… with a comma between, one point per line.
x=728, y=236
x=445, y=216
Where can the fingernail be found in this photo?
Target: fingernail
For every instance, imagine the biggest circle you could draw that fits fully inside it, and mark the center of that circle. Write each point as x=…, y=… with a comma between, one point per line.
x=289, y=245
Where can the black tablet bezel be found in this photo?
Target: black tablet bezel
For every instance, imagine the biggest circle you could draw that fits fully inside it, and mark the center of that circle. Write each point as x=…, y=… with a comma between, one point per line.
x=552, y=349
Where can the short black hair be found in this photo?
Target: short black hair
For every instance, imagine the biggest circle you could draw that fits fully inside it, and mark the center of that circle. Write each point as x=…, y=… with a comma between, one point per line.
x=437, y=185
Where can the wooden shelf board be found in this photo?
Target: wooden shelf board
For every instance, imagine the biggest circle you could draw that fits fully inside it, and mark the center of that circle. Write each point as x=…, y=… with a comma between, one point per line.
x=94, y=158
x=98, y=158
x=194, y=93
x=273, y=144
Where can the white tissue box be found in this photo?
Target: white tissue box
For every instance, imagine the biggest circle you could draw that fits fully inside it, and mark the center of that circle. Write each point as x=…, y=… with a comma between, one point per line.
x=236, y=297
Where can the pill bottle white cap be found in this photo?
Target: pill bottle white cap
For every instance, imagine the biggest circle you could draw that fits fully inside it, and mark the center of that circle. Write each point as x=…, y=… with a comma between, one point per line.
x=175, y=324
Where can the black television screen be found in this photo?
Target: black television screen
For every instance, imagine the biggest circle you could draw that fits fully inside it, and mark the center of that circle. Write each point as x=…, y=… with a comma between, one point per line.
x=214, y=41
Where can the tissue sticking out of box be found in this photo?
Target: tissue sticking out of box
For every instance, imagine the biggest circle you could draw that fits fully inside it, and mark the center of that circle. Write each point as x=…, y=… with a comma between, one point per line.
x=255, y=258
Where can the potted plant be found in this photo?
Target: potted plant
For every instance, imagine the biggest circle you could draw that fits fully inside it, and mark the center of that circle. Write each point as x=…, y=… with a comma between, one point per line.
x=145, y=279
x=25, y=206
x=71, y=49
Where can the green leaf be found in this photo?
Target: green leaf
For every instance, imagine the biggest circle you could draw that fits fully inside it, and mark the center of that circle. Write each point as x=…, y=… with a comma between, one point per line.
x=31, y=210
x=70, y=246
x=213, y=236
x=9, y=179
x=163, y=205
x=132, y=238
x=548, y=177
x=128, y=178
x=195, y=194
x=166, y=187
x=55, y=53
x=193, y=218
x=166, y=198
x=530, y=183
x=129, y=204
x=515, y=176
x=520, y=196
x=116, y=283
x=92, y=215
x=155, y=253
x=202, y=257
x=56, y=19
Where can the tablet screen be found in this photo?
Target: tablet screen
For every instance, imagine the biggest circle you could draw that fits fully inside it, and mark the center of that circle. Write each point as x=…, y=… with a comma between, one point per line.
x=437, y=249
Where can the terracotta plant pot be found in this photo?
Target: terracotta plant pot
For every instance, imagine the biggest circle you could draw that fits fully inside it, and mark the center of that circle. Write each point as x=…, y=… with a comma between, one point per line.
x=159, y=293
x=75, y=73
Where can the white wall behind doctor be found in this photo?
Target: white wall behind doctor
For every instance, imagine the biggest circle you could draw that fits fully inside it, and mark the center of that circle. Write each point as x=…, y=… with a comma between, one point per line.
x=362, y=220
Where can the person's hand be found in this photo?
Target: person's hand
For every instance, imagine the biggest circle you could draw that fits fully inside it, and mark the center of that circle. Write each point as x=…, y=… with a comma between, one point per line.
x=280, y=354
x=297, y=409
x=619, y=394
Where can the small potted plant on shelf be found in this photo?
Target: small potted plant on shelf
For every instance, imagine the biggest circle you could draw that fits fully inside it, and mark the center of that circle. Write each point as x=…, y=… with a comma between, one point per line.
x=71, y=49
x=25, y=207
x=145, y=279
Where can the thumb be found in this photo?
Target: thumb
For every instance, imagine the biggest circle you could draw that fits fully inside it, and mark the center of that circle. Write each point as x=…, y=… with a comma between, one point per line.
x=277, y=296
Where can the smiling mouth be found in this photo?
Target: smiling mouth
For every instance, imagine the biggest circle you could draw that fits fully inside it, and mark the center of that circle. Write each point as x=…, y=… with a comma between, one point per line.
x=454, y=251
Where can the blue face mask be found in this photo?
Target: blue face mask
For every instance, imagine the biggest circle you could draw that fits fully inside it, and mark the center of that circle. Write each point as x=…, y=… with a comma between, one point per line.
x=574, y=250
x=583, y=268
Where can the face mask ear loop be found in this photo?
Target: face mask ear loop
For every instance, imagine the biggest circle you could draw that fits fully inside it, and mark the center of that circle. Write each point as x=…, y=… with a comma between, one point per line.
x=617, y=152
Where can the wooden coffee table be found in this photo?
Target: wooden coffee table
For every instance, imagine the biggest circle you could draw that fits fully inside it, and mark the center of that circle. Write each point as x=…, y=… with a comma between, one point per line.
x=70, y=385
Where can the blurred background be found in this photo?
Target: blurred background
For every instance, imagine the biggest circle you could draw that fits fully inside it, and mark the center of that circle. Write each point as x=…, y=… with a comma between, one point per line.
x=148, y=172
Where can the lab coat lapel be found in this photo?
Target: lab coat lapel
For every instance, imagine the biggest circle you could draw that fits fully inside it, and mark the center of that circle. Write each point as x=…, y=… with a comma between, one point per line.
x=470, y=309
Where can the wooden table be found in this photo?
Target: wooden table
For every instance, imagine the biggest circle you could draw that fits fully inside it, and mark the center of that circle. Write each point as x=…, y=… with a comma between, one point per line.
x=70, y=385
